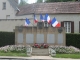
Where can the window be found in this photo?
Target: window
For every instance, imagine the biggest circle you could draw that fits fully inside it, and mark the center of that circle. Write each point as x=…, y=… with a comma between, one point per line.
x=4, y=5
x=7, y=16
x=67, y=26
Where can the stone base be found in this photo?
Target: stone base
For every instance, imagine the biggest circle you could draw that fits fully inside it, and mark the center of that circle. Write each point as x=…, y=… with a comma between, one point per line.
x=40, y=52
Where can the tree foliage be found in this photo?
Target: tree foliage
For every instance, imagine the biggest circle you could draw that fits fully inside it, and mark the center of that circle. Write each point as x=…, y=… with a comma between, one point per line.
x=22, y=2
x=59, y=0
x=40, y=1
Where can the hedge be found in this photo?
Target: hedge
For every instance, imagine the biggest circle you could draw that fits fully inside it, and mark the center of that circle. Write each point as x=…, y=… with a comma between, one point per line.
x=73, y=40
x=8, y=38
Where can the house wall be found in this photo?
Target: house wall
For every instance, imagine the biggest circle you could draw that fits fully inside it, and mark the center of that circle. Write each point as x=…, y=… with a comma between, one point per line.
x=10, y=24
x=9, y=10
x=69, y=17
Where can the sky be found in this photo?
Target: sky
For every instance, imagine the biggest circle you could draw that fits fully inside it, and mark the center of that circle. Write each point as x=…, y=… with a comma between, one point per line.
x=30, y=1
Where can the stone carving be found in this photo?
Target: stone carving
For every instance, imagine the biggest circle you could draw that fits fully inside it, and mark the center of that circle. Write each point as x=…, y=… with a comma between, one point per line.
x=60, y=29
x=52, y=52
x=29, y=50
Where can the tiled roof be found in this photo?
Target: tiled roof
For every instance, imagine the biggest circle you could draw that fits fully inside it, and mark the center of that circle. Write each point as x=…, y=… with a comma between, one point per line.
x=57, y=7
x=16, y=1
x=14, y=4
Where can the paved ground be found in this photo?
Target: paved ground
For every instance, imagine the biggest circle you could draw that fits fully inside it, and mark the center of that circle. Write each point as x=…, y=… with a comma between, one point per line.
x=33, y=58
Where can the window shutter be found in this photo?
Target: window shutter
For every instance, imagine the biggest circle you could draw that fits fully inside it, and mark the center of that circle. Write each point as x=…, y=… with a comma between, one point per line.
x=72, y=27
x=62, y=24
x=79, y=26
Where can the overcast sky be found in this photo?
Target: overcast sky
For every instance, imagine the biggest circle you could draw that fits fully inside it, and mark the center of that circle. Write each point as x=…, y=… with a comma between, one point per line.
x=30, y=1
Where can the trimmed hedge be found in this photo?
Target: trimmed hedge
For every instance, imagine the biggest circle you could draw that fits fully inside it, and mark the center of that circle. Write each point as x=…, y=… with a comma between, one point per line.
x=73, y=40
x=7, y=38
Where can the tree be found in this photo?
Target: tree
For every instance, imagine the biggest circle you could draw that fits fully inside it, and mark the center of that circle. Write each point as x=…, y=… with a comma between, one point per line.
x=22, y=2
x=59, y=0
x=39, y=1
x=53, y=0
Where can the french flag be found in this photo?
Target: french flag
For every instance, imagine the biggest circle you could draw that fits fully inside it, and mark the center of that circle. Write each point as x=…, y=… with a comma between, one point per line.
x=55, y=23
x=41, y=18
x=27, y=22
x=47, y=18
x=35, y=19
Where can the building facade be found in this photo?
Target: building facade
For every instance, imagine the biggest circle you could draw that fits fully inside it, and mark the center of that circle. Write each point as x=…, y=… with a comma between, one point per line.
x=67, y=13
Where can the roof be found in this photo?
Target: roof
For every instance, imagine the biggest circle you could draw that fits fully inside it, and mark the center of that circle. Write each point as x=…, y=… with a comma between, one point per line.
x=16, y=1
x=14, y=4
x=56, y=7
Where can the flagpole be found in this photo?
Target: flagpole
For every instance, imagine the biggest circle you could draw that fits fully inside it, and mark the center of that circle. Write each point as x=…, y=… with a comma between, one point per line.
x=32, y=24
x=33, y=19
x=33, y=14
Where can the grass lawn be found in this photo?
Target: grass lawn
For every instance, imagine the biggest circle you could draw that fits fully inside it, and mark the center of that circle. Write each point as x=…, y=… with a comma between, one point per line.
x=13, y=54
x=74, y=56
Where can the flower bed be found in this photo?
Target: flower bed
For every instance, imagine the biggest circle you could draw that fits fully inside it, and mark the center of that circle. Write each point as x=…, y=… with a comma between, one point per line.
x=13, y=48
x=58, y=49
x=66, y=49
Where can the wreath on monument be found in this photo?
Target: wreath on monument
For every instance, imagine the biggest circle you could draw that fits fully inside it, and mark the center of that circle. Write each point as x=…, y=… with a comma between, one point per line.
x=40, y=45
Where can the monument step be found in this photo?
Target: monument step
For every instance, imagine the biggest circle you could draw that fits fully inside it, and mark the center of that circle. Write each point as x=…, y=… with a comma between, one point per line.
x=36, y=49
x=40, y=52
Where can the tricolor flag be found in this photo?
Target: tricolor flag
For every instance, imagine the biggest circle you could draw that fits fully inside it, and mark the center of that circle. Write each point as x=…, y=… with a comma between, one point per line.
x=55, y=23
x=47, y=18
x=27, y=22
x=35, y=20
x=41, y=18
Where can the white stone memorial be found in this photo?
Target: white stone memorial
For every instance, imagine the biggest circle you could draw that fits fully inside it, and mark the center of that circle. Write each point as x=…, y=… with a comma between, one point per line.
x=28, y=50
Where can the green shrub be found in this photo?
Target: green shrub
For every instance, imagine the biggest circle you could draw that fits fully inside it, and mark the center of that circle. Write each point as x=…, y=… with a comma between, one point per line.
x=73, y=40
x=7, y=38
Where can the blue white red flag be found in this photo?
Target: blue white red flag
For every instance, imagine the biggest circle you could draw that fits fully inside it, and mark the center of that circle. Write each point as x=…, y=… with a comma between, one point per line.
x=35, y=19
x=47, y=18
x=55, y=23
x=27, y=22
x=42, y=18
